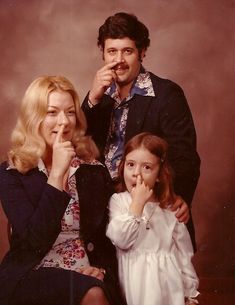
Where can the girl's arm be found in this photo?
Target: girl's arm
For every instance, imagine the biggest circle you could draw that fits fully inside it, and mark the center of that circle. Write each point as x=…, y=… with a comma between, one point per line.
x=184, y=253
x=123, y=228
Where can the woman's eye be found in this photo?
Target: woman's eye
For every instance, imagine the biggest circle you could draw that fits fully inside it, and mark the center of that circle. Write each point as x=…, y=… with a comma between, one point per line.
x=51, y=112
x=71, y=112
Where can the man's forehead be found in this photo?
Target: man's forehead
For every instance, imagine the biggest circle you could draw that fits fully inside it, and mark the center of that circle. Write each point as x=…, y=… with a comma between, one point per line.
x=125, y=42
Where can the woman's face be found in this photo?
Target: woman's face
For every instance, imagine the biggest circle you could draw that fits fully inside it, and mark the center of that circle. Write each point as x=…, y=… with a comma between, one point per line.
x=60, y=111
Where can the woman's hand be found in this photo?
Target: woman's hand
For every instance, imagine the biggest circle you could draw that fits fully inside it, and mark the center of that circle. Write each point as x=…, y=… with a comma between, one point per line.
x=98, y=273
x=63, y=152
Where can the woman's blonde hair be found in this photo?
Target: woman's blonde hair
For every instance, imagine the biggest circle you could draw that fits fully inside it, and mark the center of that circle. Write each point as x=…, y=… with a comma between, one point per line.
x=28, y=145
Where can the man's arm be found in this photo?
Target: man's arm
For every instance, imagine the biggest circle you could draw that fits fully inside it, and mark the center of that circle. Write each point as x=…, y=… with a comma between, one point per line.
x=178, y=129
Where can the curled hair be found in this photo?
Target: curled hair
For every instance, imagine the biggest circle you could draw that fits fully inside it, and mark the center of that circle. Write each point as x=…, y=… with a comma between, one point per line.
x=124, y=25
x=27, y=142
x=163, y=189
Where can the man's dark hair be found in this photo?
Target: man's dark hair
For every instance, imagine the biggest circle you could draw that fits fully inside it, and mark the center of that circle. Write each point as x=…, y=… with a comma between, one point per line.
x=123, y=25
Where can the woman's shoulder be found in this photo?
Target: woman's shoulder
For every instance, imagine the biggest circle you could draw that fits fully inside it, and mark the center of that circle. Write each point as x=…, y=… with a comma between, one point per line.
x=5, y=168
x=4, y=165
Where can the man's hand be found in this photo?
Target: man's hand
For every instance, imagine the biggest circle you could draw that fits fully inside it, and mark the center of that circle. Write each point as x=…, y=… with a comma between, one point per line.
x=103, y=79
x=182, y=209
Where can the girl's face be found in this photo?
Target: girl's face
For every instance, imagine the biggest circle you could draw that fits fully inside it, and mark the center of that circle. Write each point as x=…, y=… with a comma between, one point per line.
x=141, y=162
x=60, y=111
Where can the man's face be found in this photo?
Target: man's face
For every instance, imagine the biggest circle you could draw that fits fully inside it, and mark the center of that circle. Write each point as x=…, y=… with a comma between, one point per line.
x=124, y=52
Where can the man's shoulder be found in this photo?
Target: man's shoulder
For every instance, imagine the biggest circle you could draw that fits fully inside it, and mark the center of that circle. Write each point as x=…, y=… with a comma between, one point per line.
x=160, y=83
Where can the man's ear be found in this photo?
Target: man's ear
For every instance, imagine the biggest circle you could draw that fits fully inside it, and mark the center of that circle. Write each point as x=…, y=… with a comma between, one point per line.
x=142, y=54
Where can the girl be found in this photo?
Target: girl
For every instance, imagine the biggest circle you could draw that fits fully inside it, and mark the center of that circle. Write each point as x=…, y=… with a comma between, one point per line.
x=154, y=249
x=55, y=195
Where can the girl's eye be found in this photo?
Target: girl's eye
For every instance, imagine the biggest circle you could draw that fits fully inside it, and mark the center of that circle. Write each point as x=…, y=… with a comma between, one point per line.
x=129, y=164
x=147, y=168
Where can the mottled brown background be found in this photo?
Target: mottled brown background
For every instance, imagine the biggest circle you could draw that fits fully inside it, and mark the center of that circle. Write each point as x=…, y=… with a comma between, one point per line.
x=192, y=43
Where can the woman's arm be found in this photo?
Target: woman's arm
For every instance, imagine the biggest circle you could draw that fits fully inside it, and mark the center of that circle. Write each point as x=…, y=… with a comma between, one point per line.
x=33, y=207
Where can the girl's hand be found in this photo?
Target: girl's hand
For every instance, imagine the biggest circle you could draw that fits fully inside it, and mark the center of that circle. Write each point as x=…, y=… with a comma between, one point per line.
x=98, y=273
x=140, y=194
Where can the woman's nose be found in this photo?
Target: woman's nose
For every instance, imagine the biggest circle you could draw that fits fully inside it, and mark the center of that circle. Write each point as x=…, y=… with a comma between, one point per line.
x=63, y=119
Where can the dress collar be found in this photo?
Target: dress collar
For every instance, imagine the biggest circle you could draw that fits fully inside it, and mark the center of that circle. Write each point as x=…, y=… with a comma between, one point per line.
x=74, y=165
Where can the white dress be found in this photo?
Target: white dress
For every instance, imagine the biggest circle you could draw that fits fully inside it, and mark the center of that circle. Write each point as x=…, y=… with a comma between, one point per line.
x=154, y=264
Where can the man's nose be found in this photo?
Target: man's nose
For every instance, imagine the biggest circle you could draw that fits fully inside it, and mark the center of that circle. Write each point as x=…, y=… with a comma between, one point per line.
x=119, y=56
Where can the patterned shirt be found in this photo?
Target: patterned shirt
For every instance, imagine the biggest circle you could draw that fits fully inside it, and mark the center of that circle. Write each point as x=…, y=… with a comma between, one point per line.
x=115, y=141
x=68, y=250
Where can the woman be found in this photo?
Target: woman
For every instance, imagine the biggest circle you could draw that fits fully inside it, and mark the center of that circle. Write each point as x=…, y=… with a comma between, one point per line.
x=55, y=195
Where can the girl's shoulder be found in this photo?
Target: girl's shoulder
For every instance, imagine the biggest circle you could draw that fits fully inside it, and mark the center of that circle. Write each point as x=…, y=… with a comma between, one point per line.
x=169, y=213
x=122, y=196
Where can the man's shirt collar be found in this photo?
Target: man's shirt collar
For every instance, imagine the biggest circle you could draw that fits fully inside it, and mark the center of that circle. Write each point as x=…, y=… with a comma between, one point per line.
x=142, y=85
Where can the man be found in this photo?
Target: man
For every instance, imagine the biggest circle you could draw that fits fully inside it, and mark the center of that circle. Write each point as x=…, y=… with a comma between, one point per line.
x=125, y=100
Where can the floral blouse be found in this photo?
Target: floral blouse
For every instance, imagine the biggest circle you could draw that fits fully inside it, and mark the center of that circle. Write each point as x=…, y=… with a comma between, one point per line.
x=68, y=251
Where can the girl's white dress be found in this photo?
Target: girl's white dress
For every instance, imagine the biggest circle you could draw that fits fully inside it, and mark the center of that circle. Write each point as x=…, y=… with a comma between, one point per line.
x=154, y=264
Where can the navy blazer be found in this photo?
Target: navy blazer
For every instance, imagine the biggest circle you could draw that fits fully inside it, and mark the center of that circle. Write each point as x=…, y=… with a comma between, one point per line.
x=35, y=209
x=167, y=115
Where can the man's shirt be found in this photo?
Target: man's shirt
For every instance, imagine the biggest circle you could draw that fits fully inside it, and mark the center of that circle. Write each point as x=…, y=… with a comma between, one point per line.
x=115, y=141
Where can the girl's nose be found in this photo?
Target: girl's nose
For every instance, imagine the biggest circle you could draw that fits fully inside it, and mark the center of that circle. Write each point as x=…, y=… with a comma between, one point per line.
x=137, y=171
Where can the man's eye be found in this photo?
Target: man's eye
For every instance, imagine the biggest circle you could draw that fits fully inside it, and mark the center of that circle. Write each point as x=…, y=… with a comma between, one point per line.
x=111, y=52
x=128, y=51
